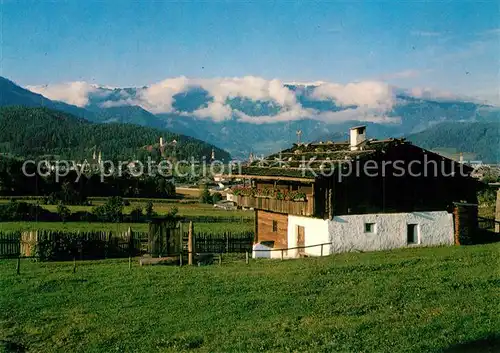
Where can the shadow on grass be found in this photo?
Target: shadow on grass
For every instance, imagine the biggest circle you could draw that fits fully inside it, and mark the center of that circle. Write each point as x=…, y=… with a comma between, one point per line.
x=489, y=344
x=11, y=347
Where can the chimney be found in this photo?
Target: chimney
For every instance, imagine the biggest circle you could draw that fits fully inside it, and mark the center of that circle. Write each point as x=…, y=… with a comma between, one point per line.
x=357, y=135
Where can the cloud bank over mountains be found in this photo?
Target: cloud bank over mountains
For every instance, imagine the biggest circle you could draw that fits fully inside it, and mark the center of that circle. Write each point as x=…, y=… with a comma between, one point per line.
x=228, y=98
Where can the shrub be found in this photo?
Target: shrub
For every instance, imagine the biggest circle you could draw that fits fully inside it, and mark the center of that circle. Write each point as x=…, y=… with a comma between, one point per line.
x=149, y=209
x=136, y=214
x=205, y=196
x=173, y=212
x=63, y=211
x=216, y=197
x=111, y=211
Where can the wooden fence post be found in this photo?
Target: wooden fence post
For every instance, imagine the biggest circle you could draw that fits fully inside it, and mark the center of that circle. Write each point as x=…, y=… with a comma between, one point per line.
x=130, y=262
x=18, y=266
x=321, y=249
x=190, y=244
x=74, y=264
x=220, y=259
x=246, y=257
x=497, y=213
x=282, y=254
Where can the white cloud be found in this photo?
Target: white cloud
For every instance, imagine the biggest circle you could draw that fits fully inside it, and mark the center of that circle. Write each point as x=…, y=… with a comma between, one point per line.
x=119, y=103
x=295, y=113
x=76, y=93
x=159, y=97
x=215, y=110
x=432, y=93
x=359, y=114
x=251, y=87
x=369, y=101
x=370, y=94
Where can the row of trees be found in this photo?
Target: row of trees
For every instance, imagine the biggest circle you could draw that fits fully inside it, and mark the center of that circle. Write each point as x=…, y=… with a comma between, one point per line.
x=111, y=211
x=75, y=189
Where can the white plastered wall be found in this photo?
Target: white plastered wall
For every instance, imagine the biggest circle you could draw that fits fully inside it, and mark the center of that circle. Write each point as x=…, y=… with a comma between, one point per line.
x=347, y=233
x=315, y=231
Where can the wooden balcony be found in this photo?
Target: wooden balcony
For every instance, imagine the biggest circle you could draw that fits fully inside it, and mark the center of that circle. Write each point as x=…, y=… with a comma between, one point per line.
x=298, y=208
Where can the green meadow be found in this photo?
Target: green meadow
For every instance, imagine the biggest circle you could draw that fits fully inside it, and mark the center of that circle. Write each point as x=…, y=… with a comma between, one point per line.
x=442, y=299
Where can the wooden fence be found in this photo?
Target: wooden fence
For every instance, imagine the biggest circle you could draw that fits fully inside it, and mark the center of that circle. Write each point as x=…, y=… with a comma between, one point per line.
x=10, y=244
x=217, y=219
x=487, y=223
x=226, y=242
x=64, y=245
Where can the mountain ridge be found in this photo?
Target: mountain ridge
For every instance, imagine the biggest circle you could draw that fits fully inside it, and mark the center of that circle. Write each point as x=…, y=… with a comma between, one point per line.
x=31, y=132
x=248, y=131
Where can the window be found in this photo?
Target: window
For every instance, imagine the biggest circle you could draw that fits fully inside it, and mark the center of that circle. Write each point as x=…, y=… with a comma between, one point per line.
x=369, y=227
x=268, y=243
x=275, y=226
x=412, y=233
x=295, y=187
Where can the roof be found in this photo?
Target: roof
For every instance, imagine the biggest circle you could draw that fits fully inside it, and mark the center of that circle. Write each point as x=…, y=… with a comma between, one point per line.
x=303, y=160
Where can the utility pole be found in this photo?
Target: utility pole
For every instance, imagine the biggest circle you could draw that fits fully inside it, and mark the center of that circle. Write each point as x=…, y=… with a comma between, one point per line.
x=299, y=134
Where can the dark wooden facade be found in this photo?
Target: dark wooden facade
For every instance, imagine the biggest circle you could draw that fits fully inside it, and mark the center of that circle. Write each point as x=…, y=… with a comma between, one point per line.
x=272, y=227
x=409, y=185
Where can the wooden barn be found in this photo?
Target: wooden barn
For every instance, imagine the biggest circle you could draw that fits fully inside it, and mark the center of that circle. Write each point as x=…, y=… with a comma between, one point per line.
x=362, y=194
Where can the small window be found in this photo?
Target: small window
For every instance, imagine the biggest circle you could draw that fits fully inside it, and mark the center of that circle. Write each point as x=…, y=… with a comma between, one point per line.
x=268, y=243
x=412, y=233
x=295, y=187
x=275, y=226
x=369, y=227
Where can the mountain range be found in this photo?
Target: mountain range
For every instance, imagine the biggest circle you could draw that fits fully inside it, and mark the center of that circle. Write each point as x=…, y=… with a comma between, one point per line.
x=248, y=115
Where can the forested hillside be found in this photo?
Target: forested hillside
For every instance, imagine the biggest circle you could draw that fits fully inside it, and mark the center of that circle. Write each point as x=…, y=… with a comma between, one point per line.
x=34, y=132
x=480, y=138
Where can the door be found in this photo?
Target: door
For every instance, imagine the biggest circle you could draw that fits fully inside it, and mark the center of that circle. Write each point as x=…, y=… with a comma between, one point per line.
x=300, y=240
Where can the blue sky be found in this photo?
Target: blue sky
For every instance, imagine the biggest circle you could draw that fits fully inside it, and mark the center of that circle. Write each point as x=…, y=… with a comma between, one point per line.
x=449, y=45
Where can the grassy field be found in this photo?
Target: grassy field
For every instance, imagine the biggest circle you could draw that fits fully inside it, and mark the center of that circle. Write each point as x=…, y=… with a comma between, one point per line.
x=412, y=300
x=115, y=227
x=184, y=209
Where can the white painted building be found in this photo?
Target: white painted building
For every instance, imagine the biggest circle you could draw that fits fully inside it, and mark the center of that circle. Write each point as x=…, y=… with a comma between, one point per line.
x=299, y=214
x=371, y=232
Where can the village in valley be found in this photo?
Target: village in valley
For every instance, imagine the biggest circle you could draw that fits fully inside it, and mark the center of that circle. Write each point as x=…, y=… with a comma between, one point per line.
x=220, y=207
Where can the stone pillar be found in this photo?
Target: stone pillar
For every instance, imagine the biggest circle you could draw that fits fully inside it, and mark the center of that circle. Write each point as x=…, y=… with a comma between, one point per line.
x=465, y=221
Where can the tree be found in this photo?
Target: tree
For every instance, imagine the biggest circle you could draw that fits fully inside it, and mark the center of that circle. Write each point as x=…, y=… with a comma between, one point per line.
x=173, y=212
x=205, y=196
x=63, y=211
x=216, y=197
x=111, y=211
x=114, y=208
x=149, y=209
x=136, y=213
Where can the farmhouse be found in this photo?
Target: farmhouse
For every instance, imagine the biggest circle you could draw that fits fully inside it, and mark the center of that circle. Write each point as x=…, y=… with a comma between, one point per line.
x=359, y=195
